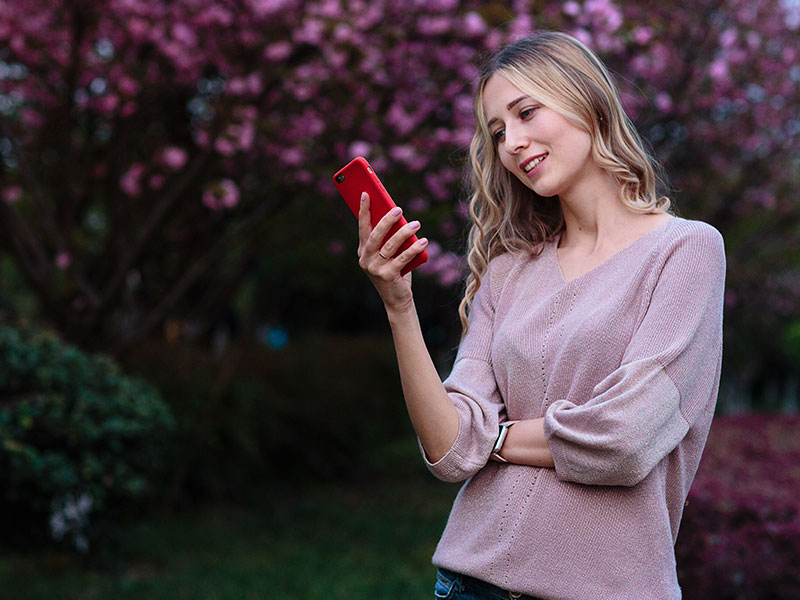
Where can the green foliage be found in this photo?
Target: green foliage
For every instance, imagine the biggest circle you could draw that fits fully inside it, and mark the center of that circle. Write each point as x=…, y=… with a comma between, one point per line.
x=317, y=542
x=79, y=440
x=325, y=407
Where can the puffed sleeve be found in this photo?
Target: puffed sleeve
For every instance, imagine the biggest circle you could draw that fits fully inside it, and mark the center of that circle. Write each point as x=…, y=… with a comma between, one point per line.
x=472, y=387
x=668, y=377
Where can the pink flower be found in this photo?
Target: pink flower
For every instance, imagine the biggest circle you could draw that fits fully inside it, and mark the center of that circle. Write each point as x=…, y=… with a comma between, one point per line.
x=359, y=148
x=718, y=70
x=278, y=51
x=474, y=24
x=130, y=182
x=220, y=195
x=224, y=146
x=63, y=260
x=12, y=194
x=642, y=35
x=174, y=158
x=663, y=102
x=156, y=181
x=571, y=8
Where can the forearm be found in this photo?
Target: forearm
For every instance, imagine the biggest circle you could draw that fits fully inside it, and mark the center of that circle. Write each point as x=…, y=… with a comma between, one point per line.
x=432, y=413
x=526, y=444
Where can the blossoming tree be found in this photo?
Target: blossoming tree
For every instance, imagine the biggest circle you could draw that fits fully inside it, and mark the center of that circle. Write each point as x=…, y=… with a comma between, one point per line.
x=149, y=147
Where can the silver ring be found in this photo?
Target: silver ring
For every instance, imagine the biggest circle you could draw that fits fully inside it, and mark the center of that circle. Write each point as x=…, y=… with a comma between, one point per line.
x=382, y=256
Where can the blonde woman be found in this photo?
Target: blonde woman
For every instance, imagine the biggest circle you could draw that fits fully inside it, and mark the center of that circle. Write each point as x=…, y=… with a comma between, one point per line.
x=585, y=383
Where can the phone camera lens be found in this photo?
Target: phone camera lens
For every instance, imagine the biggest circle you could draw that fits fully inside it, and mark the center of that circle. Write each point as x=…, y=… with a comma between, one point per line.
x=339, y=178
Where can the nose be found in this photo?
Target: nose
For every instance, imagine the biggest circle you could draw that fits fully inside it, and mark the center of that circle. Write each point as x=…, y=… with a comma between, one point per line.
x=516, y=139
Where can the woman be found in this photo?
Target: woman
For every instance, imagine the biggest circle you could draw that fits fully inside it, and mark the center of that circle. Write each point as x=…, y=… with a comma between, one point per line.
x=585, y=383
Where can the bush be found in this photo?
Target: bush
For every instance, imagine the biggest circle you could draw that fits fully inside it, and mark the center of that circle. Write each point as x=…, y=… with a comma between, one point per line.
x=740, y=535
x=324, y=407
x=80, y=443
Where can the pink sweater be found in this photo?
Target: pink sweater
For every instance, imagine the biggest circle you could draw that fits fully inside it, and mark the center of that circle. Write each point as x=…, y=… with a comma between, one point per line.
x=623, y=363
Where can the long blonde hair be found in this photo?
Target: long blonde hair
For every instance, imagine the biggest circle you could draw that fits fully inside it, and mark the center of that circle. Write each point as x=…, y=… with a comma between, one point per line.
x=563, y=74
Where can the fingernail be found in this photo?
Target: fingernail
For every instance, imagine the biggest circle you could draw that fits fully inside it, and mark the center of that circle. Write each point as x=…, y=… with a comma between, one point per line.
x=396, y=211
x=422, y=241
x=363, y=196
x=414, y=225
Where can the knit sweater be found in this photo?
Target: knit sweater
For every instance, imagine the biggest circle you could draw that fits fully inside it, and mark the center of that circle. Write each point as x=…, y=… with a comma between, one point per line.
x=623, y=363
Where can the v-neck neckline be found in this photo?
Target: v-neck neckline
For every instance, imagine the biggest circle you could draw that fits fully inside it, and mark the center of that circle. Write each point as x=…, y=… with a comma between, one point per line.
x=610, y=259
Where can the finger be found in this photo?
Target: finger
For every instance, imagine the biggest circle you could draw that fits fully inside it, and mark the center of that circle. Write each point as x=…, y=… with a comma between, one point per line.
x=364, y=223
x=409, y=254
x=398, y=239
x=382, y=228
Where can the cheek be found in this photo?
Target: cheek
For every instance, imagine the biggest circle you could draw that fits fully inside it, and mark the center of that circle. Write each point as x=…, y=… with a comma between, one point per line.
x=508, y=161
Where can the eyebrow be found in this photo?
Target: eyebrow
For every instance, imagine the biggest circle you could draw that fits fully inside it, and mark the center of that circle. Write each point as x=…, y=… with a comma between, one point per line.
x=509, y=106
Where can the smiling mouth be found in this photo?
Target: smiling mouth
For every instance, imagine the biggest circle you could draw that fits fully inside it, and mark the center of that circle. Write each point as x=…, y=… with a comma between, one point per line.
x=533, y=163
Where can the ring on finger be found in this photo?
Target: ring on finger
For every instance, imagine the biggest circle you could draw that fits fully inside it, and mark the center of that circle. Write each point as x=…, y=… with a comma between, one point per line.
x=382, y=256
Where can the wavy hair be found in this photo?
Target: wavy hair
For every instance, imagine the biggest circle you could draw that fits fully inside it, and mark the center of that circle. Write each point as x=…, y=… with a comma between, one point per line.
x=563, y=74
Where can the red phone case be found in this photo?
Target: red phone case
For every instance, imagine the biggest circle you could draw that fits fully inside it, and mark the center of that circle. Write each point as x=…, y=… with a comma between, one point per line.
x=358, y=176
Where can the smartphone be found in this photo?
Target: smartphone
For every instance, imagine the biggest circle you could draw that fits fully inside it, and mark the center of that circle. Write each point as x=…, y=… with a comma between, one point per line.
x=358, y=176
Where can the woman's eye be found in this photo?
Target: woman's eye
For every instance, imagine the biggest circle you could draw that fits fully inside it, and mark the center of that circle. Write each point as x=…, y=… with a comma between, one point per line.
x=527, y=112
x=498, y=135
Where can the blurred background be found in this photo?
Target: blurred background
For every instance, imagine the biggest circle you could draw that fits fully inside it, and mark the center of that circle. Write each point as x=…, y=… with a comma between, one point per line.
x=198, y=393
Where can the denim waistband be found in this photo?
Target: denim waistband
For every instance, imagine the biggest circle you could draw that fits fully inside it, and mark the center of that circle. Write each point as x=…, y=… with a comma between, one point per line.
x=465, y=583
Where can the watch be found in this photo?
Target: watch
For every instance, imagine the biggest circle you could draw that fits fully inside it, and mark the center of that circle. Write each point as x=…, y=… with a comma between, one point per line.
x=501, y=438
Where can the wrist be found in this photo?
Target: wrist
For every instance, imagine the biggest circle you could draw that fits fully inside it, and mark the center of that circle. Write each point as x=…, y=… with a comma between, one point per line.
x=400, y=313
x=500, y=441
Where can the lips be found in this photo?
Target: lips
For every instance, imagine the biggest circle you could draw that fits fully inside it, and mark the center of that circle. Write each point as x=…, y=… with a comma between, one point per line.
x=530, y=164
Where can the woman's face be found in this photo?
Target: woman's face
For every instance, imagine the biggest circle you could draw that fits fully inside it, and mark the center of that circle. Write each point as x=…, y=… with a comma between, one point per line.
x=535, y=143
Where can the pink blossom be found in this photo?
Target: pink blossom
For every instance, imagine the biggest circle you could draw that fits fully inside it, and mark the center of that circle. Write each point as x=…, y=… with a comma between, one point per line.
x=418, y=204
x=156, y=181
x=663, y=102
x=128, y=86
x=582, y=35
x=718, y=70
x=225, y=146
x=434, y=25
x=220, y=195
x=278, y=51
x=728, y=38
x=63, y=260
x=130, y=182
x=12, y=194
x=642, y=35
x=571, y=8
x=32, y=118
x=359, y=148
x=292, y=157
x=174, y=158
x=184, y=34
x=474, y=24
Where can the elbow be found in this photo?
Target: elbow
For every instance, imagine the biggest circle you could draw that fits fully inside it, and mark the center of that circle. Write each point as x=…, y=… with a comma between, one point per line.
x=625, y=469
x=451, y=467
x=451, y=471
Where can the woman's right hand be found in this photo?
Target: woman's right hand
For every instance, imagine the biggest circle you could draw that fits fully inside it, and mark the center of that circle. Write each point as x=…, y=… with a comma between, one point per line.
x=376, y=259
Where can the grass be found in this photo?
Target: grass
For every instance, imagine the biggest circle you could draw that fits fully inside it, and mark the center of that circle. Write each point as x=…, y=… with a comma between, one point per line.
x=328, y=542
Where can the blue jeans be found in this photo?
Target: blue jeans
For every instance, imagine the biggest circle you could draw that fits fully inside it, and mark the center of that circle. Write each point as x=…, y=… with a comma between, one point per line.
x=453, y=586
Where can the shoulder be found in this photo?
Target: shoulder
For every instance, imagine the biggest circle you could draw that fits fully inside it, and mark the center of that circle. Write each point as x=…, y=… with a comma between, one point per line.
x=691, y=253
x=694, y=233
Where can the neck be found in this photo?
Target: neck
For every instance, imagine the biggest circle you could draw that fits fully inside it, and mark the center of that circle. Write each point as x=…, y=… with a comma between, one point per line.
x=593, y=212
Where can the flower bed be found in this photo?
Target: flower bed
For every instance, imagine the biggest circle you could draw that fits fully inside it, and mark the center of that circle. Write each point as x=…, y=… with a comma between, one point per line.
x=740, y=534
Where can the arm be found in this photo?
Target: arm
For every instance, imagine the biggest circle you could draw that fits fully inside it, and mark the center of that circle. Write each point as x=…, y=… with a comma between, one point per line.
x=667, y=380
x=526, y=444
x=456, y=421
x=430, y=409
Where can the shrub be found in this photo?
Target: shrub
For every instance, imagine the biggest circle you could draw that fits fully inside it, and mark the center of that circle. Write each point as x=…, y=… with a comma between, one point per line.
x=80, y=443
x=740, y=535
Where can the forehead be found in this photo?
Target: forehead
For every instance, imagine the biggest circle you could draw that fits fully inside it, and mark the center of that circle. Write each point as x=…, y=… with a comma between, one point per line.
x=499, y=96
